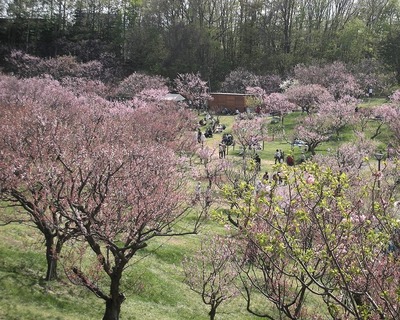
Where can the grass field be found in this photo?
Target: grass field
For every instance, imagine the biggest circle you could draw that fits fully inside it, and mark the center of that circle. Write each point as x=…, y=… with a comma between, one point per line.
x=281, y=141
x=153, y=284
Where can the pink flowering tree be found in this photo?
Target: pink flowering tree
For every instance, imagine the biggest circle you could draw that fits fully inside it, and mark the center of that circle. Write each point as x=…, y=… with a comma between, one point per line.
x=211, y=167
x=255, y=98
x=313, y=131
x=137, y=82
x=277, y=103
x=114, y=194
x=211, y=272
x=118, y=204
x=334, y=77
x=30, y=175
x=362, y=118
x=339, y=113
x=395, y=97
x=68, y=66
x=308, y=97
x=270, y=83
x=84, y=86
x=78, y=171
x=386, y=115
x=27, y=66
x=371, y=73
x=148, y=97
x=390, y=115
x=35, y=91
x=238, y=80
x=349, y=157
x=165, y=124
x=195, y=90
x=208, y=175
x=36, y=114
x=249, y=133
x=24, y=64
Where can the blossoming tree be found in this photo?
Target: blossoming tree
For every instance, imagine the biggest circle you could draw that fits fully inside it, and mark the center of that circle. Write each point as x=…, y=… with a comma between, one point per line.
x=79, y=172
x=322, y=235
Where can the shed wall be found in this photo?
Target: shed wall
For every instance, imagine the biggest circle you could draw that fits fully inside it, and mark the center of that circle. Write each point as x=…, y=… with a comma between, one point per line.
x=231, y=102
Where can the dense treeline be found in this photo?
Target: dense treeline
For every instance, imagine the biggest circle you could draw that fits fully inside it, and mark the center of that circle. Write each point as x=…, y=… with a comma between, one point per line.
x=212, y=37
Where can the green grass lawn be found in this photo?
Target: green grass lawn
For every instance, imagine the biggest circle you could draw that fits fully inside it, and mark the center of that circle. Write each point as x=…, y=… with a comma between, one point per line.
x=23, y=293
x=281, y=140
x=153, y=284
x=269, y=147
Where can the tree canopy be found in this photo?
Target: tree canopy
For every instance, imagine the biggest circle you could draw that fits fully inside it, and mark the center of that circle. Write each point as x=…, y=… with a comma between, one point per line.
x=212, y=37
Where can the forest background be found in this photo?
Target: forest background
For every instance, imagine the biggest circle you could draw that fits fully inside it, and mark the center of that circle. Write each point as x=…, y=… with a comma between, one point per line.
x=209, y=36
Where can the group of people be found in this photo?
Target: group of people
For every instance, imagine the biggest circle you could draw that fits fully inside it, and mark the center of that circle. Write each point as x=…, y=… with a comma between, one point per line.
x=222, y=147
x=222, y=150
x=276, y=177
x=279, y=157
x=213, y=125
x=227, y=140
x=264, y=182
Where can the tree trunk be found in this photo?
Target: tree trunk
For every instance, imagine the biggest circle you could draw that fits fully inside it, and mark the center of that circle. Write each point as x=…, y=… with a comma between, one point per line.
x=113, y=308
x=212, y=312
x=299, y=306
x=311, y=148
x=51, y=257
x=113, y=304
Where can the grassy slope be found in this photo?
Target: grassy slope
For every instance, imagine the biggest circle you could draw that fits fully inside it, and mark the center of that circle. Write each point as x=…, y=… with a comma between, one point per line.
x=153, y=284
x=23, y=294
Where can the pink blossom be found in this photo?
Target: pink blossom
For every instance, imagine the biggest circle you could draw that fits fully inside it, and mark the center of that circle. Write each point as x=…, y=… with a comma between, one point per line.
x=310, y=179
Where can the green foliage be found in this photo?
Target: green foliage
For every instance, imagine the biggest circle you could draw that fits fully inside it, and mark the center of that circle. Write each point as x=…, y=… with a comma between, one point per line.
x=311, y=229
x=354, y=41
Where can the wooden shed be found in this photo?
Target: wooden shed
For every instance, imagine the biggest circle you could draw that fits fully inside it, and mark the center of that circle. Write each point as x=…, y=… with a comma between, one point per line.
x=228, y=101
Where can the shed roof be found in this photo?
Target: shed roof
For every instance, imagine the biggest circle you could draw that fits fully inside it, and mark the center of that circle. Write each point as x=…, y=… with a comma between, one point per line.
x=231, y=94
x=174, y=97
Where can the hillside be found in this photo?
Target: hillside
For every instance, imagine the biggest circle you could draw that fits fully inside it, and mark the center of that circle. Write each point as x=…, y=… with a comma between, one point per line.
x=153, y=283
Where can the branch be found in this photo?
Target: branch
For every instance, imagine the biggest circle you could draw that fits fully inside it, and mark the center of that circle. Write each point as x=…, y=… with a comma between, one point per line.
x=249, y=309
x=2, y=224
x=88, y=284
x=64, y=164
